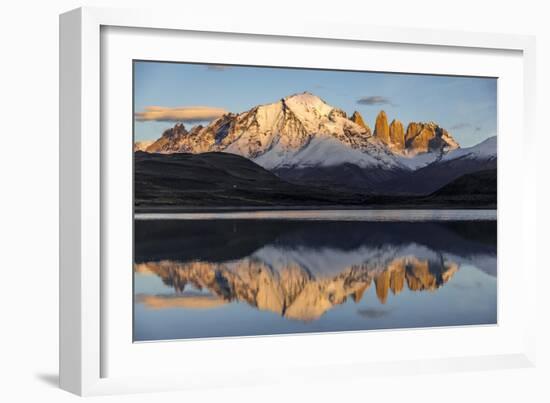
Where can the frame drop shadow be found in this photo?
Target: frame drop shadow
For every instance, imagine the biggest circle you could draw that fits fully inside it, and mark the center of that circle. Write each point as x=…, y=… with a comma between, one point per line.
x=49, y=379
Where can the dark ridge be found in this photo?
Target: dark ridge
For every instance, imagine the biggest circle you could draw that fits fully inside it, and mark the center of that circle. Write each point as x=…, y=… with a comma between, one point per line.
x=482, y=183
x=216, y=180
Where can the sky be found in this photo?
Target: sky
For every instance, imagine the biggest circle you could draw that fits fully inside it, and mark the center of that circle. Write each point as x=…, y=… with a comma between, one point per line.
x=167, y=93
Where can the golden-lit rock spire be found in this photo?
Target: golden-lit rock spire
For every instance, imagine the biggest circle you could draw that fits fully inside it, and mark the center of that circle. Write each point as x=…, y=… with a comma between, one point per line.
x=381, y=128
x=291, y=290
x=397, y=135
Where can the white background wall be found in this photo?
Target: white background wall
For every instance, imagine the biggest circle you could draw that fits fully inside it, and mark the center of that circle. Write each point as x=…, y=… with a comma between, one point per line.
x=29, y=201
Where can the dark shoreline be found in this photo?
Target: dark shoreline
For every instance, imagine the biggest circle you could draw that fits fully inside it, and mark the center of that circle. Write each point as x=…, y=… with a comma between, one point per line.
x=225, y=182
x=207, y=209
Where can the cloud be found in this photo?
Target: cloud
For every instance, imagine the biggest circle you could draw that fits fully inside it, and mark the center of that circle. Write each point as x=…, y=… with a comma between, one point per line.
x=461, y=125
x=464, y=125
x=374, y=100
x=217, y=67
x=459, y=286
x=373, y=313
x=190, y=114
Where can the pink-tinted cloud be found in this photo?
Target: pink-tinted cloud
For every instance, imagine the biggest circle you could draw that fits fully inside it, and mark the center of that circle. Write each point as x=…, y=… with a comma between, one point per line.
x=179, y=114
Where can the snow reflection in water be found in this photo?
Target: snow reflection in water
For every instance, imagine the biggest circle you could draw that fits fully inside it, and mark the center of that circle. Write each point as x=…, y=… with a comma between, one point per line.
x=200, y=278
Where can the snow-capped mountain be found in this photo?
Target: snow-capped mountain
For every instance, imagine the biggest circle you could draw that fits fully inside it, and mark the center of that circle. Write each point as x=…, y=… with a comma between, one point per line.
x=303, y=284
x=484, y=151
x=302, y=131
x=289, y=285
x=304, y=140
x=452, y=165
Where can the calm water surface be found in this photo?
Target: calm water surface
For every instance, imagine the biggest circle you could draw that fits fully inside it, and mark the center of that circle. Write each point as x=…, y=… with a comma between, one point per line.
x=198, y=275
x=330, y=215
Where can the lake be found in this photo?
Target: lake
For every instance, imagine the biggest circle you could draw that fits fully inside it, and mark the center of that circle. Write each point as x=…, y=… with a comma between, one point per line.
x=221, y=274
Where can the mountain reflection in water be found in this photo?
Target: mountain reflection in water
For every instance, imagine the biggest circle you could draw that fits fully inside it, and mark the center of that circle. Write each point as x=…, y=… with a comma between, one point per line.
x=301, y=271
x=291, y=290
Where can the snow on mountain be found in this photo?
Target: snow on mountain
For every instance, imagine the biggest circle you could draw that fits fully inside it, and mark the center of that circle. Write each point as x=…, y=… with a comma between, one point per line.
x=303, y=283
x=289, y=125
x=450, y=166
x=274, y=134
x=414, y=162
x=306, y=106
x=486, y=150
x=303, y=131
x=325, y=151
x=142, y=145
x=328, y=261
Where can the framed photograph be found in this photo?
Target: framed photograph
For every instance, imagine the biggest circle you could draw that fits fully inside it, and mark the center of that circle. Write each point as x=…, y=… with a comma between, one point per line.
x=297, y=200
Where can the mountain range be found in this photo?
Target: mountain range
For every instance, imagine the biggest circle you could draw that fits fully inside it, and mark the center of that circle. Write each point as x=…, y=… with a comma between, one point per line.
x=300, y=270
x=290, y=289
x=306, y=143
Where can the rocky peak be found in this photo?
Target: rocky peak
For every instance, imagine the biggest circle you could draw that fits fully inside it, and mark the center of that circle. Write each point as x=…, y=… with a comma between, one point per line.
x=272, y=134
x=195, y=130
x=337, y=113
x=176, y=131
x=397, y=134
x=381, y=128
x=305, y=104
x=425, y=137
x=305, y=96
x=142, y=145
x=290, y=289
x=170, y=140
x=358, y=120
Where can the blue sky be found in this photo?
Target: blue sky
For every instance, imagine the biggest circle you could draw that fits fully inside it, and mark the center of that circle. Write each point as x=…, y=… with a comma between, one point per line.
x=466, y=106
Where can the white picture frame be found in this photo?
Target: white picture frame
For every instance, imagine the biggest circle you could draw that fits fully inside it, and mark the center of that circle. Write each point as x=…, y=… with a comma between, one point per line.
x=85, y=309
